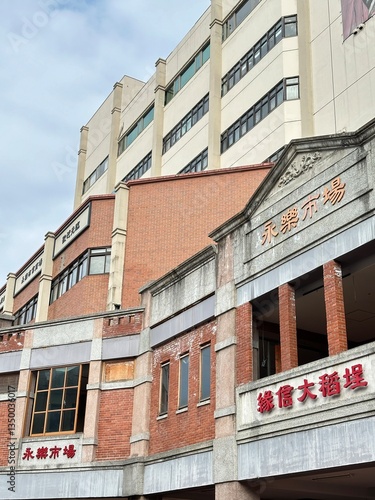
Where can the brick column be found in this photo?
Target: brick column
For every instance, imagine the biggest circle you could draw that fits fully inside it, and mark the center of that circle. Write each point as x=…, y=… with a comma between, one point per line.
x=244, y=334
x=335, y=310
x=288, y=327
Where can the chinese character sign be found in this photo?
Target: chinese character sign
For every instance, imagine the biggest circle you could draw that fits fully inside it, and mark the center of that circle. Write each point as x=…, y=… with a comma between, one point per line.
x=327, y=385
x=39, y=453
x=296, y=215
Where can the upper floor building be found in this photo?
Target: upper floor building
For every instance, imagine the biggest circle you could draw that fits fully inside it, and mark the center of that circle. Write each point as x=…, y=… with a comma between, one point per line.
x=249, y=77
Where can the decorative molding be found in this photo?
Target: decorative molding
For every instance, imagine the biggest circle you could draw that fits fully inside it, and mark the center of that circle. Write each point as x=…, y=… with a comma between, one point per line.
x=306, y=163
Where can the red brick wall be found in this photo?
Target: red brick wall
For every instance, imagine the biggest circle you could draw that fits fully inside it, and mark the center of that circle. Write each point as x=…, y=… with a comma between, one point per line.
x=122, y=325
x=90, y=294
x=244, y=333
x=26, y=294
x=115, y=423
x=169, y=220
x=197, y=423
x=86, y=297
x=288, y=327
x=98, y=234
x=12, y=341
x=335, y=309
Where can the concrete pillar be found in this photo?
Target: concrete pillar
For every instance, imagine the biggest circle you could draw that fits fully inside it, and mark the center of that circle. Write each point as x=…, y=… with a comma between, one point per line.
x=288, y=327
x=234, y=490
x=335, y=308
x=116, y=272
x=140, y=438
x=90, y=430
x=113, y=141
x=45, y=279
x=245, y=352
x=9, y=295
x=305, y=69
x=158, y=124
x=214, y=114
x=81, y=166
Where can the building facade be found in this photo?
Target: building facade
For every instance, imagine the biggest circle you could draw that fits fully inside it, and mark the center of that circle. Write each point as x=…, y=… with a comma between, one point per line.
x=209, y=335
x=249, y=77
x=245, y=372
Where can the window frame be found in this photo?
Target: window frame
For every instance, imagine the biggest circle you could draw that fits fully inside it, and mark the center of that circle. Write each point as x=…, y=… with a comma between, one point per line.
x=164, y=388
x=183, y=381
x=80, y=398
x=203, y=372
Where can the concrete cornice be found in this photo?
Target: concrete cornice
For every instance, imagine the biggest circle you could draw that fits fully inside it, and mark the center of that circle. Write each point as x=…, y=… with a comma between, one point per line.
x=88, y=317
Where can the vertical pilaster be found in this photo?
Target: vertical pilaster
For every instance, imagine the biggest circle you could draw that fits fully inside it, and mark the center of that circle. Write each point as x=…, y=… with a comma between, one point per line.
x=305, y=69
x=45, y=279
x=140, y=438
x=244, y=333
x=113, y=140
x=214, y=114
x=335, y=308
x=158, y=123
x=120, y=221
x=9, y=294
x=81, y=166
x=90, y=431
x=225, y=446
x=288, y=327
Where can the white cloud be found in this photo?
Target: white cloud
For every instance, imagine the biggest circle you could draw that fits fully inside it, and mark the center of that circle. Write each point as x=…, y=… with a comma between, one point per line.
x=59, y=60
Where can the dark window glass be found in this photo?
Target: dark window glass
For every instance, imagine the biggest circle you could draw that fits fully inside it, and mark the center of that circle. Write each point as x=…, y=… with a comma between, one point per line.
x=164, y=389
x=184, y=381
x=205, y=381
x=57, y=393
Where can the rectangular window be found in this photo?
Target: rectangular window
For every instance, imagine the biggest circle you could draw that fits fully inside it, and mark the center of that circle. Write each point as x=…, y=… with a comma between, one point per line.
x=95, y=175
x=134, y=132
x=205, y=373
x=285, y=27
x=239, y=15
x=164, y=389
x=185, y=124
x=198, y=164
x=184, y=381
x=285, y=90
x=140, y=169
x=60, y=400
x=192, y=66
x=100, y=259
x=27, y=313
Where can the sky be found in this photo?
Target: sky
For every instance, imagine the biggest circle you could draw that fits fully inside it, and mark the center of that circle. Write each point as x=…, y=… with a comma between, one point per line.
x=59, y=60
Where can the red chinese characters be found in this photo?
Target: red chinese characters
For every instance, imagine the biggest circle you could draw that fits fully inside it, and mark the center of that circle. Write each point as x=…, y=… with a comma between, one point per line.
x=329, y=385
x=43, y=452
x=291, y=218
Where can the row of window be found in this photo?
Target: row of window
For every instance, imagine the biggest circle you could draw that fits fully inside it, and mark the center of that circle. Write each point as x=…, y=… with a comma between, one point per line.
x=185, y=124
x=284, y=28
x=192, y=67
x=27, y=313
x=94, y=261
x=198, y=164
x=286, y=90
x=98, y=172
x=139, y=169
x=238, y=16
x=183, y=387
x=60, y=394
x=134, y=132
